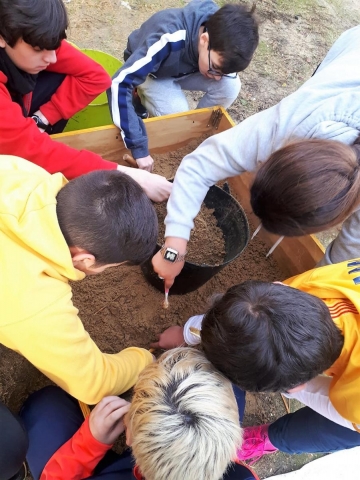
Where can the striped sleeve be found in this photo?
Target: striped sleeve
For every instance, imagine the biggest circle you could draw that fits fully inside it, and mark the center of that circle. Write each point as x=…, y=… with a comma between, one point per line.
x=143, y=61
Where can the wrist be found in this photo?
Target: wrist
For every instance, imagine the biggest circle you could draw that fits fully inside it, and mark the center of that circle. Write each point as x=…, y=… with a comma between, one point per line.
x=176, y=243
x=42, y=117
x=41, y=121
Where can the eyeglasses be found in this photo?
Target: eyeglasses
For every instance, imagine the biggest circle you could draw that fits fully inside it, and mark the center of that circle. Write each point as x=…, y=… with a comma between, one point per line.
x=214, y=72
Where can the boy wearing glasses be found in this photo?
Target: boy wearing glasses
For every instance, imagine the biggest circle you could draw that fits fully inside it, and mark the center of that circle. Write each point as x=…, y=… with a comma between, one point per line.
x=199, y=47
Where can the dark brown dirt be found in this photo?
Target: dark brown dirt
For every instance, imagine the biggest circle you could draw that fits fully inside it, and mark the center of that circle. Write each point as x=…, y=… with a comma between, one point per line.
x=167, y=163
x=207, y=244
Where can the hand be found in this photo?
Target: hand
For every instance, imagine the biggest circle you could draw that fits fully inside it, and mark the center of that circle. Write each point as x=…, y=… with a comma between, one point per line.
x=165, y=269
x=156, y=187
x=145, y=163
x=170, y=338
x=106, y=420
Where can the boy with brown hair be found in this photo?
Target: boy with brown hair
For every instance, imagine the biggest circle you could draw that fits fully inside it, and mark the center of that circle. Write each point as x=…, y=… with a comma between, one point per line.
x=197, y=47
x=44, y=81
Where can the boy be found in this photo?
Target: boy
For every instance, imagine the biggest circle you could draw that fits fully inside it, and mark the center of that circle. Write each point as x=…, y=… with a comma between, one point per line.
x=268, y=337
x=43, y=82
x=52, y=232
x=198, y=47
x=182, y=423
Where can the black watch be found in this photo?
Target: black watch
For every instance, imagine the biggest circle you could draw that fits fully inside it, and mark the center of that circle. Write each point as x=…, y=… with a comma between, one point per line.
x=39, y=122
x=172, y=255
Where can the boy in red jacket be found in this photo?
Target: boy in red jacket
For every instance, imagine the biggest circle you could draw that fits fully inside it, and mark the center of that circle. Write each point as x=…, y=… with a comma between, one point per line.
x=43, y=82
x=182, y=423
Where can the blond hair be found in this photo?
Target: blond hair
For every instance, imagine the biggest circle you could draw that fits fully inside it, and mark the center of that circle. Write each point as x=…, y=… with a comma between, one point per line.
x=184, y=419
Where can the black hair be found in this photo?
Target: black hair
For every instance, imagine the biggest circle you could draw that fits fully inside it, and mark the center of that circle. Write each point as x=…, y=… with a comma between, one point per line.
x=233, y=34
x=40, y=23
x=108, y=214
x=268, y=337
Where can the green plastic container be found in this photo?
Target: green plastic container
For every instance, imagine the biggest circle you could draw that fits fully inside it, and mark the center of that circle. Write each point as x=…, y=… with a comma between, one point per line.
x=97, y=113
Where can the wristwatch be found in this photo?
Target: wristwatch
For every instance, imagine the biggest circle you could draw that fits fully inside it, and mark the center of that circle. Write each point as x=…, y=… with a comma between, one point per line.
x=172, y=255
x=39, y=122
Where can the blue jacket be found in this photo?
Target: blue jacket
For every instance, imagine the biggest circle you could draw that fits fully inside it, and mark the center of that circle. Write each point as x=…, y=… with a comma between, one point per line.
x=166, y=45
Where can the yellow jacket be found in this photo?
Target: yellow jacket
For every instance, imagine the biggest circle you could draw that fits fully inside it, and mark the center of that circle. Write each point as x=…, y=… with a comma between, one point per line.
x=38, y=318
x=338, y=286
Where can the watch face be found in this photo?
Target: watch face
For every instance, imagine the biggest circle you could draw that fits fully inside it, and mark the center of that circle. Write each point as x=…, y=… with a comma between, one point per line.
x=170, y=255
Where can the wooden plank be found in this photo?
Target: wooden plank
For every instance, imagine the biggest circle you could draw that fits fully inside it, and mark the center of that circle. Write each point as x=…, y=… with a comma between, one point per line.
x=169, y=132
x=294, y=255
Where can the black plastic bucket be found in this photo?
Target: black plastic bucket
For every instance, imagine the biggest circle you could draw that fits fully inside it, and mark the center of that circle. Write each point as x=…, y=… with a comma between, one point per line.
x=232, y=220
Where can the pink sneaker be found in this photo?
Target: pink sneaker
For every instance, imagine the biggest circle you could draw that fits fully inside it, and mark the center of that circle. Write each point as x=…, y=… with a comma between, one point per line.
x=256, y=443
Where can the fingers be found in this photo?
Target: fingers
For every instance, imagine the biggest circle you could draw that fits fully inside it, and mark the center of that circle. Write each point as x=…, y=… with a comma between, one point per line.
x=169, y=283
x=117, y=414
x=109, y=404
x=156, y=344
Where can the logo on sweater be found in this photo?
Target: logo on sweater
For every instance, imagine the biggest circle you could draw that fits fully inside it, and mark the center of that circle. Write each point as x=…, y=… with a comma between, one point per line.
x=355, y=268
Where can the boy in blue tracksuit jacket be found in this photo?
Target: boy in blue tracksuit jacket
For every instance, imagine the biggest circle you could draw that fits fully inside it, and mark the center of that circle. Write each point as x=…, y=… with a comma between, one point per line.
x=189, y=48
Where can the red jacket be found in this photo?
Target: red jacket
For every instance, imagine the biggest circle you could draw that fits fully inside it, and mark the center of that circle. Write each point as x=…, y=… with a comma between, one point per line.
x=78, y=457
x=19, y=136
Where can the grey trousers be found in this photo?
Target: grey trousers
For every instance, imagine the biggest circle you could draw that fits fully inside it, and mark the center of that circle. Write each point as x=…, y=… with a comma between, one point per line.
x=165, y=96
x=346, y=245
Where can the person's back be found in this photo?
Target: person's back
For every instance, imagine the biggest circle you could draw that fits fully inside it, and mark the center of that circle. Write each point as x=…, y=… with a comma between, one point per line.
x=53, y=231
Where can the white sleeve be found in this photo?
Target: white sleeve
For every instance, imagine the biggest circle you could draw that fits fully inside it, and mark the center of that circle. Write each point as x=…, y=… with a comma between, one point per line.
x=220, y=156
x=316, y=396
x=194, y=322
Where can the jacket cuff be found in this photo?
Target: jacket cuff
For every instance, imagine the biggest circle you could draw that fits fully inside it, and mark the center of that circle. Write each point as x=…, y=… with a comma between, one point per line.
x=140, y=152
x=190, y=338
x=51, y=113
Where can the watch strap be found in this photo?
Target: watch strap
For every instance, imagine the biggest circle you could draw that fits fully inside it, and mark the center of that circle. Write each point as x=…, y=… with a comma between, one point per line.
x=40, y=123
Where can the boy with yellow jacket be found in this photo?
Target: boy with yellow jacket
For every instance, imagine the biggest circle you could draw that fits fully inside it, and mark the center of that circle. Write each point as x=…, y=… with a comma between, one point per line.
x=51, y=232
x=300, y=337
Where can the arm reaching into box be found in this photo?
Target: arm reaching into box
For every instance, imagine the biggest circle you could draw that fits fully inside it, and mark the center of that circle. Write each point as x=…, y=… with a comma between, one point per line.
x=156, y=187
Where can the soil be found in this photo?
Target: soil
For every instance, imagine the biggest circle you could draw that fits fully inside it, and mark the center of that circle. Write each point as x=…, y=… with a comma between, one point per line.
x=167, y=163
x=119, y=308
x=207, y=243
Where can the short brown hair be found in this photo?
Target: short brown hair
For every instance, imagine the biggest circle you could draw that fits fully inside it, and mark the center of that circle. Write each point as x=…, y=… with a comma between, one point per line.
x=108, y=214
x=233, y=34
x=307, y=186
x=268, y=337
x=40, y=23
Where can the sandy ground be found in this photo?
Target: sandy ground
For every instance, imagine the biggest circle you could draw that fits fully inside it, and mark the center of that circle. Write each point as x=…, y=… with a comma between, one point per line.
x=295, y=35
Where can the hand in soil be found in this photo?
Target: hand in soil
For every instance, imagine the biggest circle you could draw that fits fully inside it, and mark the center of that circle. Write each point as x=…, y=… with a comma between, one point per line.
x=145, y=163
x=172, y=337
x=167, y=270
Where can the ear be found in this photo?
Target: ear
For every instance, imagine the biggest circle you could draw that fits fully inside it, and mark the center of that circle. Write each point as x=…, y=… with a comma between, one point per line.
x=204, y=40
x=2, y=42
x=82, y=259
